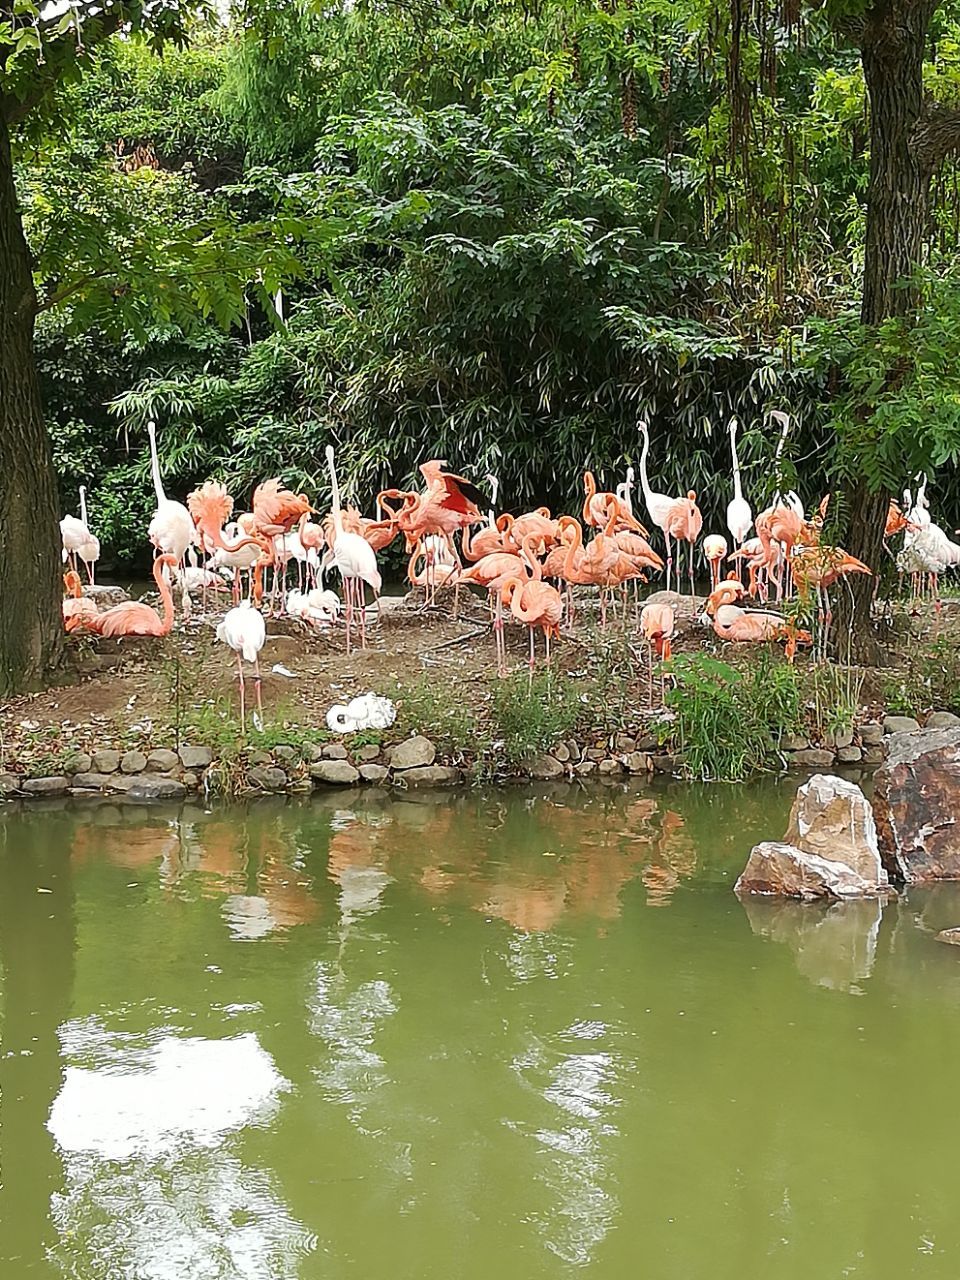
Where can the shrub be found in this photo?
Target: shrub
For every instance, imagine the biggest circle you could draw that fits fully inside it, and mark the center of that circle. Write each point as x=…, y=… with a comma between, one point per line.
x=531, y=715
x=727, y=723
x=929, y=679
x=430, y=707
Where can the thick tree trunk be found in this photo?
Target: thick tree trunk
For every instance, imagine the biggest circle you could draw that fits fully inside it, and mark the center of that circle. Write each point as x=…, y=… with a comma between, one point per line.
x=892, y=48
x=31, y=627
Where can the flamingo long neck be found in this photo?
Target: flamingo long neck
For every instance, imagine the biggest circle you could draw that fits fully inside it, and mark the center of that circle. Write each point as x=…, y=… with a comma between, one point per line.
x=589, y=489
x=737, y=488
x=155, y=463
x=644, y=481
x=576, y=544
x=166, y=595
x=83, y=504
x=335, y=490
x=530, y=555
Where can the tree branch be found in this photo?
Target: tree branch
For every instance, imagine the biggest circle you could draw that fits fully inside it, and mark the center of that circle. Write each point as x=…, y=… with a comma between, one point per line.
x=937, y=134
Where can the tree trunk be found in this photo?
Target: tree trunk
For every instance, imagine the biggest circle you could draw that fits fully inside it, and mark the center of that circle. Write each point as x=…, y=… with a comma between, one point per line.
x=892, y=48
x=31, y=626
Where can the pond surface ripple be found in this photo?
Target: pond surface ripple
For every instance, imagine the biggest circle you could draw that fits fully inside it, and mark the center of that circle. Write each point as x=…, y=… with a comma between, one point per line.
x=519, y=1034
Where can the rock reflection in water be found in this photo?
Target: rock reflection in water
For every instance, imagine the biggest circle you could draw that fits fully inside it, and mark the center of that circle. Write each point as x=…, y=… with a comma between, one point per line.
x=834, y=945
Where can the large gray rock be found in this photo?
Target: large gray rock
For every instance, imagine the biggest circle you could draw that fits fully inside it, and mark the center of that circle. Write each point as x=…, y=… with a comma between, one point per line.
x=133, y=762
x=162, y=761
x=335, y=772
x=543, y=767
x=105, y=761
x=105, y=597
x=917, y=806
x=96, y=781
x=831, y=818
x=430, y=775
x=55, y=785
x=413, y=753
x=154, y=786
x=871, y=734
x=777, y=868
x=196, y=758
x=830, y=849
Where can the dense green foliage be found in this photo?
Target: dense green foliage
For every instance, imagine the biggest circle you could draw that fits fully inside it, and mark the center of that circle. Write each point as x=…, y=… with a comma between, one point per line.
x=504, y=232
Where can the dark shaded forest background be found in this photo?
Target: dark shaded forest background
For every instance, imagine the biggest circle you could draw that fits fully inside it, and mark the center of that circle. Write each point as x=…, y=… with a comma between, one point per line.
x=504, y=233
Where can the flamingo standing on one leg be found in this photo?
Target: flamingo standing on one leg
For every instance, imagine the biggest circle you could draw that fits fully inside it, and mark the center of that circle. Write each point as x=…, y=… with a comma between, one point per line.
x=244, y=631
x=658, y=505
x=355, y=559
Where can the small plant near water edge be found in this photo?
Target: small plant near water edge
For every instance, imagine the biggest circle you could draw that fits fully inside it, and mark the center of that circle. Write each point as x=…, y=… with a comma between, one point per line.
x=531, y=716
x=727, y=723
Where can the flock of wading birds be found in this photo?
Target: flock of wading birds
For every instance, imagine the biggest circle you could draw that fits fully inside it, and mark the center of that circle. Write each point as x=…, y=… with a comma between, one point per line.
x=529, y=564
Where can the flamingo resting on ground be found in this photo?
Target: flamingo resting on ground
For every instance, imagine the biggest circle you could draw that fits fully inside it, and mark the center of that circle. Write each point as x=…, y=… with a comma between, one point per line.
x=244, y=631
x=133, y=617
x=78, y=609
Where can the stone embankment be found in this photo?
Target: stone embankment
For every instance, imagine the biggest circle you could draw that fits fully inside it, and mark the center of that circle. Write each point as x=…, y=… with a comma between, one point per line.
x=165, y=773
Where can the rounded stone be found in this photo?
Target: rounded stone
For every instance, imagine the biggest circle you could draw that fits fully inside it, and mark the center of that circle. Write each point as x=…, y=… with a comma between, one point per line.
x=373, y=772
x=77, y=762
x=417, y=752
x=849, y=755
x=9, y=782
x=335, y=772
x=637, y=762
x=311, y=751
x=900, y=724
x=543, y=767
x=190, y=781
x=941, y=720
x=286, y=754
x=335, y=751
x=155, y=787
x=370, y=752
x=162, y=761
x=105, y=761
x=259, y=758
x=429, y=775
x=55, y=785
x=561, y=752
x=196, y=757
x=133, y=762
x=267, y=777
x=585, y=768
x=608, y=767
x=625, y=743
x=871, y=734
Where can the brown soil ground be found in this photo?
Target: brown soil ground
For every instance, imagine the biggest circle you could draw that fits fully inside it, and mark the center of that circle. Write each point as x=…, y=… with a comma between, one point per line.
x=141, y=689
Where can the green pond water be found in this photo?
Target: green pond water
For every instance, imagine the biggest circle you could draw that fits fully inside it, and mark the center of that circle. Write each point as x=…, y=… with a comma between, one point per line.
x=498, y=1036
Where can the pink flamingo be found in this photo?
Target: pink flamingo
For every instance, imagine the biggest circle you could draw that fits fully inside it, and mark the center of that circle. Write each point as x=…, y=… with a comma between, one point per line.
x=133, y=617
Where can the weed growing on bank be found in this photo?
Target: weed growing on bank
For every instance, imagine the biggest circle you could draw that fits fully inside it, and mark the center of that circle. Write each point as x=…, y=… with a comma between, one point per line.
x=728, y=723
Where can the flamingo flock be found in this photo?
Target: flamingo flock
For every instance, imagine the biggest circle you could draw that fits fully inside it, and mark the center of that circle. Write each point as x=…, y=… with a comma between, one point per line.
x=534, y=567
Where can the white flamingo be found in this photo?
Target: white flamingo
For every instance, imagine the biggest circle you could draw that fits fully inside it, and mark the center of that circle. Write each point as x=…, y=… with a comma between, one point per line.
x=244, y=631
x=624, y=492
x=739, y=513
x=356, y=560
x=172, y=529
x=659, y=505
x=78, y=542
